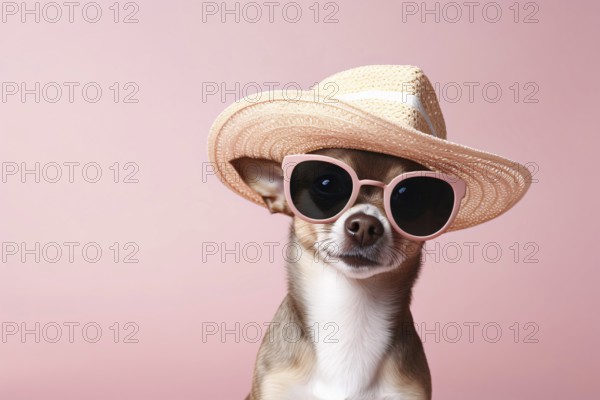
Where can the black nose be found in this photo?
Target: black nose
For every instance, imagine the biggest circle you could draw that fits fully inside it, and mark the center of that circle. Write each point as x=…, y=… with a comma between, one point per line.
x=364, y=229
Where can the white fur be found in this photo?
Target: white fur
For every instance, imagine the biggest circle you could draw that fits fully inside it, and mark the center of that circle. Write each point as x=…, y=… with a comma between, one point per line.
x=350, y=324
x=351, y=328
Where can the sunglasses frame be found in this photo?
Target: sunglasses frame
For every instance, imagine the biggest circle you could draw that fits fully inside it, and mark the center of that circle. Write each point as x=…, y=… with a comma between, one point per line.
x=291, y=161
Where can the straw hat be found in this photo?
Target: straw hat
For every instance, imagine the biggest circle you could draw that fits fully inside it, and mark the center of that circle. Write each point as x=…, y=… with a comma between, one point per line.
x=389, y=109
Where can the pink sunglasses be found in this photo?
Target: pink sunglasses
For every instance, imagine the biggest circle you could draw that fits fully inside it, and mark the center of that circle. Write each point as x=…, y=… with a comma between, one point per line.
x=420, y=205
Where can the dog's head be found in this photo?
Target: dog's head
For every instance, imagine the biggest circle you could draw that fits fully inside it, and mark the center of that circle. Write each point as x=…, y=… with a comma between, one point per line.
x=361, y=243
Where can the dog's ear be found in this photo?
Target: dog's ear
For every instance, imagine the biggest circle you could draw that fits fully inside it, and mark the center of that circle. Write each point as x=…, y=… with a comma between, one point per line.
x=265, y=177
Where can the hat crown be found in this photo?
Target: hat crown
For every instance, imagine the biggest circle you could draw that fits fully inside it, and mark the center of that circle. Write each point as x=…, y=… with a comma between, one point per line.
x=401, y=94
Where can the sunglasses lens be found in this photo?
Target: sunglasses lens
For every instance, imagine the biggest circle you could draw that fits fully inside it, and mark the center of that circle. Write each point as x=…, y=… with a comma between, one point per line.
x=422, y=205
x=319, y=189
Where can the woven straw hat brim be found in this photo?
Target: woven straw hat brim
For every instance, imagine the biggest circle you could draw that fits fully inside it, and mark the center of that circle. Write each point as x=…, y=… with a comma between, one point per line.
x=276, y=126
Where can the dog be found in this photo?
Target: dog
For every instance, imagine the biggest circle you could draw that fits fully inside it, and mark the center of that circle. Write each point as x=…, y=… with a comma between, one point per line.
x=350, y=167
x=349, y=295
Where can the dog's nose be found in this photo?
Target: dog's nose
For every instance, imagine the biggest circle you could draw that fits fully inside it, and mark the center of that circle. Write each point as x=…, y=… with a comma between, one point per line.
x=364, y=229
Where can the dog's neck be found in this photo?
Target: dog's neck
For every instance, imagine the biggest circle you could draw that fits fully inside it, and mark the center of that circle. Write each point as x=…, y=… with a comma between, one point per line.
x=351, y=322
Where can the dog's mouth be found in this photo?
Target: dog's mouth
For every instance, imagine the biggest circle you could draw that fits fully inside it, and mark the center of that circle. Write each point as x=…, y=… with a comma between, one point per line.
x=357, y=260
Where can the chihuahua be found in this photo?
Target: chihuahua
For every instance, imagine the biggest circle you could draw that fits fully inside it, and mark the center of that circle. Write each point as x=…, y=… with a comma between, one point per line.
x=345, y=329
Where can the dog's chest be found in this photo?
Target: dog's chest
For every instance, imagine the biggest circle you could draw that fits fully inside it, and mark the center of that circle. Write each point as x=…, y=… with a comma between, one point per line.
x=351, y=331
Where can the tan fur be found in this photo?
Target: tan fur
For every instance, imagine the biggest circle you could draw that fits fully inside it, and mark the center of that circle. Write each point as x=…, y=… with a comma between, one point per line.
x=281, y=364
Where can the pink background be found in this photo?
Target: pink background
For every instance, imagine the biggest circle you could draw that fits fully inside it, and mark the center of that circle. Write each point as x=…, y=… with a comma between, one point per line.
x=171, y=292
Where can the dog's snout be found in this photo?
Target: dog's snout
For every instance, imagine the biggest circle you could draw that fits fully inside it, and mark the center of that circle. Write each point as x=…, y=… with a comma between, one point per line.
x=364, y=229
